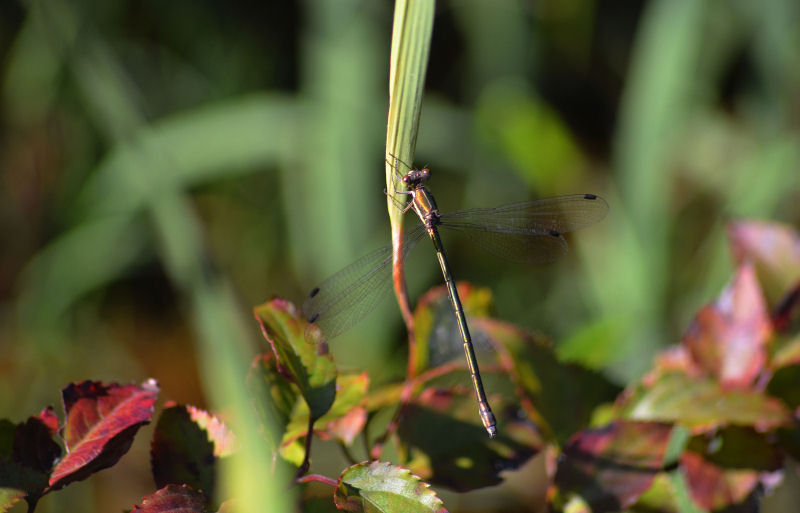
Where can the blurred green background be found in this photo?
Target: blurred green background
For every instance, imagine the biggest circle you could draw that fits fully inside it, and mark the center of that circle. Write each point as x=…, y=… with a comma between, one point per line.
x=165, y=166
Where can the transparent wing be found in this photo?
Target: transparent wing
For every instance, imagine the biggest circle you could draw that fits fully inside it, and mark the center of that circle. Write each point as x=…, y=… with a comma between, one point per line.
x=345, y=298
x=529, y=232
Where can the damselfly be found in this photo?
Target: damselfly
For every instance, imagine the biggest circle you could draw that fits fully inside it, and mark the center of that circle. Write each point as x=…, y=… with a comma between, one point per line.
x=529, y=232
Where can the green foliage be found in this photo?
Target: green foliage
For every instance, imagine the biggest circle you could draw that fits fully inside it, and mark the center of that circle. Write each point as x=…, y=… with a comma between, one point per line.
x=163, y=171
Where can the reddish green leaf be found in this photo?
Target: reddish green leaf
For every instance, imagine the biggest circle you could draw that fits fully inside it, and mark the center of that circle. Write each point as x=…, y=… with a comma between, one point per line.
x=273, y=397
x=174, y=499
x=774, y=249
x=221, y=436
x=611, y=467
x=342, y=422
x=379, y=486
x=181, y=452
x=302, y=353
x=444, y=442
x=728, y=339
x=558, y=397
x=101, y=421
x=714, y=488
x=701, y=403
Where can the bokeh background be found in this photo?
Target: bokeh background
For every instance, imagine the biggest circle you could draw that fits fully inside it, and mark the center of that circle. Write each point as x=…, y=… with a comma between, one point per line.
x=165, y=166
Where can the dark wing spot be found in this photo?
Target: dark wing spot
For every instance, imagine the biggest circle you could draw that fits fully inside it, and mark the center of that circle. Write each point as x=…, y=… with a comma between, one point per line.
x=590, y=196
x=314, y=292
x=555, y=233
x=314, y=318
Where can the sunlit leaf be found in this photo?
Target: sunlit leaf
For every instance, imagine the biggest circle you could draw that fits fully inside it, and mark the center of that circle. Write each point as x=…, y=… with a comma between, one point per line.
x=301, y=352
x=728, y=339
x=345, y=419
x=101, y=421
x=612, y=466
x=380, y=486
x=174, y=499
x=701, y=404
x=221, y=436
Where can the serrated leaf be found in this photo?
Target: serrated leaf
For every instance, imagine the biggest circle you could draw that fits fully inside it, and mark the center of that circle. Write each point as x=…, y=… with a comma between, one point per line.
x=101, y=421
x=383, y=487
x=219, y=434
x=728, y=338
x=174, y=499
x=301, y=352
x=612, y=466
x=181, y=452
x=701, y=404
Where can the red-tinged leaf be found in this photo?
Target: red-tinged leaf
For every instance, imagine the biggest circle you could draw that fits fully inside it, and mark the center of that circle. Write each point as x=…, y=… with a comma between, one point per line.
x=101, y=421
x=221, y=436
x=34, y=447
x=181, y=451
x=774, y=249
x=611, y=467
x=273, y=397
x=728, y=339
x=302, y=353
x=174, y=499
x=714, y=488
x=435, y=325
x=701, y=404
x=444, y=442
x=558, y=397
x=49, y=419
x=380, y=486
x=345, y=419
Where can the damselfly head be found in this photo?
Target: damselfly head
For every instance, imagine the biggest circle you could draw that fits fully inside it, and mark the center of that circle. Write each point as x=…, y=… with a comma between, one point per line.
x=416, y=176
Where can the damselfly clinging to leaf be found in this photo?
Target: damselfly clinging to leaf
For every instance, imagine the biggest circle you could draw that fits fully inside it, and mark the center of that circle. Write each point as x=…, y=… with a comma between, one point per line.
x=529, y=232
